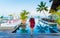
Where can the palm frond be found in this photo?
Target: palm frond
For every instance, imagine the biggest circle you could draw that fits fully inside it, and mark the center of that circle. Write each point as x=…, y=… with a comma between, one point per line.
x=42, y=6
x=23, y=14
x=46, y=9
x=41, y=3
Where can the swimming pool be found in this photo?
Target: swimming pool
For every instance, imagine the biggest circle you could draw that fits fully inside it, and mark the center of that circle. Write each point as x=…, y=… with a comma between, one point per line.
x=40, y=27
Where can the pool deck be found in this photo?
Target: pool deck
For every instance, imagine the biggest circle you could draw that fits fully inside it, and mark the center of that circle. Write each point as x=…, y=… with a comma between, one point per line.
x=11, y=35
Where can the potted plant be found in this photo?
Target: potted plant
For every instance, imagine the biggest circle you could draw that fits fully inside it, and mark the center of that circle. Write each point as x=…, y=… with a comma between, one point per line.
x=23, y=17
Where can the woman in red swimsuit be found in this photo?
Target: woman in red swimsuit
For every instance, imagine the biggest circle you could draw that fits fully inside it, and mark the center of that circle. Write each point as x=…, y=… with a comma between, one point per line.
x=32, y=24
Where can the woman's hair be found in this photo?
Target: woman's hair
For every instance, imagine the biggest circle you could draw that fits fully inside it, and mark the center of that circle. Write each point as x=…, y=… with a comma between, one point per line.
x=31, y=16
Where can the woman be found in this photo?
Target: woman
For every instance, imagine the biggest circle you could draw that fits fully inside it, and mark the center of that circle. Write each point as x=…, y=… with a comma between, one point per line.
x=32, y=24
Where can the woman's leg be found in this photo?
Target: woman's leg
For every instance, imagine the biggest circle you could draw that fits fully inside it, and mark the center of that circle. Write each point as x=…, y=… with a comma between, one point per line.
x=31, y=31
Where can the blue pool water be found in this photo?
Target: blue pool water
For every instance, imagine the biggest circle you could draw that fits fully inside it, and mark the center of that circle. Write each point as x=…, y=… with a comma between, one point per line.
x=43, y=28
x=28, y=28
x=39, y=28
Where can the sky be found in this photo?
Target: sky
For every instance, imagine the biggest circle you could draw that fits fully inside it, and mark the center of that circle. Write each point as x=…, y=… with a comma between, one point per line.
x=16, y=6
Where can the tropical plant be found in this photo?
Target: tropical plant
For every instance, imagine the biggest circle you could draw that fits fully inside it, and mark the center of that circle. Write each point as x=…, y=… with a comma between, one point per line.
x=23, y=17
x=52, y=11
x=58, y=8
x=58, y=21
x=41, y=7
x=1, y=17
x=56, y=15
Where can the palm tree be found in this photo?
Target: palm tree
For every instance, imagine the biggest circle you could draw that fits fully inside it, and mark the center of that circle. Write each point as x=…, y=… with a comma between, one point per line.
x=41, y=7
x=23, y=17
x=1, y=18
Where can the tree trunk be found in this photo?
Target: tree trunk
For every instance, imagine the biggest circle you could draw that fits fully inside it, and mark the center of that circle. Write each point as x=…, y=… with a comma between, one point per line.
x=23, y=24
x=44, y=13
x=23, y=21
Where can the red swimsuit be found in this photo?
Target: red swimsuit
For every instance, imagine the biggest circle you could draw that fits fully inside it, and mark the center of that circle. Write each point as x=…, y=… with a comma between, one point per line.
x=32, y=22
